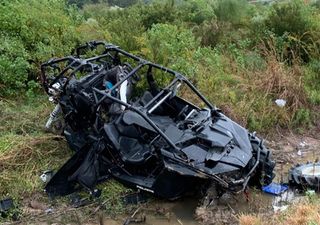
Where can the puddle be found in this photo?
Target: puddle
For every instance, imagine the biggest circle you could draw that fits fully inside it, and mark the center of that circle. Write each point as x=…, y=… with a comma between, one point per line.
x=190, y=211
x=161, y=212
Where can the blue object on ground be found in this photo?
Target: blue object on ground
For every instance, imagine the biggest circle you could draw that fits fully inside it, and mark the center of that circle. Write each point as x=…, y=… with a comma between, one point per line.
x=275, y=189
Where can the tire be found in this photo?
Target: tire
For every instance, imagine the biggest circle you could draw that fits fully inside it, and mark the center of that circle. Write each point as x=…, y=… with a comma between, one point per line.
x=305, y=176
x=264, y=172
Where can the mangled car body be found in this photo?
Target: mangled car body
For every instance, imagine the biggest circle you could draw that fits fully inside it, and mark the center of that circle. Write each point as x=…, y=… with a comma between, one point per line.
x=146, y=126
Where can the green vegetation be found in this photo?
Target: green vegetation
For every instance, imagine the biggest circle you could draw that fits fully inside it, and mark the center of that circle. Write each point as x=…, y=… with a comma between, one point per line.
x=241, y=56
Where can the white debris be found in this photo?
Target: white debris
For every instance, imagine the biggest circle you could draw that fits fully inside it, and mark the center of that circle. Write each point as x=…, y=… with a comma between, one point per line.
x=46, y=176
x=280, y=208
x=299, y=153
x=280, y=102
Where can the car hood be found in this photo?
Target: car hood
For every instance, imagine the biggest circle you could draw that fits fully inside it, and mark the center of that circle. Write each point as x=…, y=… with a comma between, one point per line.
x=220, y=141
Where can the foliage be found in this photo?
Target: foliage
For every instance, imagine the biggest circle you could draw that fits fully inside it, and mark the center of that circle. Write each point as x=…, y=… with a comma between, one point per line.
x=231, y=10
x=296, y=26
x=242, y=56
x=312, y=81
x=158, y=12
x=29, y=35
x=293, y=17
x=170, y=45
x=196, y=11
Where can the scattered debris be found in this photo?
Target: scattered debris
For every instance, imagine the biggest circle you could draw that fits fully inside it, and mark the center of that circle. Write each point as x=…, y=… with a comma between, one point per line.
x=303, y=145
x=77, y=201
x=7, y=209
x=148, y=135
x=299, y=152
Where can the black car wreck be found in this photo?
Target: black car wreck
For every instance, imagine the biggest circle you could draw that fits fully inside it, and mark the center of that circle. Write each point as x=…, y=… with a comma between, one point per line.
x=146, y=126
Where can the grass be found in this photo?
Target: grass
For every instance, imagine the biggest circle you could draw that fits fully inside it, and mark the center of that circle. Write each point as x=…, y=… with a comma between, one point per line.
x=304, y=213
x=26, y=150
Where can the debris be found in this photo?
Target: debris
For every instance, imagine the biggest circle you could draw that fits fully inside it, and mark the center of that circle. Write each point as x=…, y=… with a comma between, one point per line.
x=148, y=136
x=6, y=205
x=48, y=210
x=280, y=208
x=299, y=153
x=280, y=102
x=310, y=193
x=135, y=198
x=275, y=189
x=46, y=176
x=77, y=201
x=303, y=145
x=179, y=221
x=132, y=218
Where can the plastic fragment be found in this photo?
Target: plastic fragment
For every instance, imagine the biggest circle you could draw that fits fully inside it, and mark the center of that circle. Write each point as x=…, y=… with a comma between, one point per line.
x=46, y=176
x=275, y=189
x=280, y=102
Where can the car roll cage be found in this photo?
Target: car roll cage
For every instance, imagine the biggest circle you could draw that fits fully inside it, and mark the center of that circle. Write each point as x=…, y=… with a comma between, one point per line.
x=100, y=95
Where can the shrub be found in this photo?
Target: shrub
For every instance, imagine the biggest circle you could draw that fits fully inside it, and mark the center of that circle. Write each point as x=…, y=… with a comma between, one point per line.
x=312, y=81
x=31, y=35
x=169, y=45
x=157, y=12
x=122, y=27
x=13, y=65
x=232, y=11
x=196, y=11
x=296, y=27
x=290, y=17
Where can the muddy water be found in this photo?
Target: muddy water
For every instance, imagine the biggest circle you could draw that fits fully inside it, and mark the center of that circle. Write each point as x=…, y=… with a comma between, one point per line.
x=190, y=211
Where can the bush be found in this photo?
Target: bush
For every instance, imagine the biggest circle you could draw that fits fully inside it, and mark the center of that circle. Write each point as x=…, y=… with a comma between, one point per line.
x=172, y=46
x=312, y=81
x=122, y=27
x=296, y=27
x=232, y=11
x=157, y=12
x=241, y=56
x=294, y=17
x=31, y=35
x=13, y=65
x=196, y=11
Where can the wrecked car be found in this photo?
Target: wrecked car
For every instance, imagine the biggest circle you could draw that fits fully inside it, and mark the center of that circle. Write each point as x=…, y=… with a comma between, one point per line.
x=146, y=126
